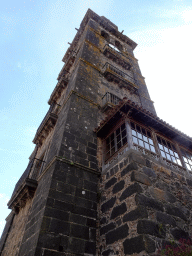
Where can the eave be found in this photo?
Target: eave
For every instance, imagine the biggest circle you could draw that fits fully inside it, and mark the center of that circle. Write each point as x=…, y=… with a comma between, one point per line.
x=138, y=113
x=24, y=192
x=61, y=85
x=47, y=124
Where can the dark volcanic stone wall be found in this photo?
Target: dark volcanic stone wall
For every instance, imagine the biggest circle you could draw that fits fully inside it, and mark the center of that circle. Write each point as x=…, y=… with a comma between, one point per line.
x=69, y=222
x=144, y=206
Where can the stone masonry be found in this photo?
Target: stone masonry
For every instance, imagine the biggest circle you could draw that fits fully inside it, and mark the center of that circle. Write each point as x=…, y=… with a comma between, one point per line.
x=107, y=176
x=144, y=206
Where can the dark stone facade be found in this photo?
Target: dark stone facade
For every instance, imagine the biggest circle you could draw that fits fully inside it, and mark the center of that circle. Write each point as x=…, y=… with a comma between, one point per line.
x=152, y=219
x=70, y=200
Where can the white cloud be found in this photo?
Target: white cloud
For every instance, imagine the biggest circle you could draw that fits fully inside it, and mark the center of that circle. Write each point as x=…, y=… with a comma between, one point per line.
x=166, y=64
x=187, y=15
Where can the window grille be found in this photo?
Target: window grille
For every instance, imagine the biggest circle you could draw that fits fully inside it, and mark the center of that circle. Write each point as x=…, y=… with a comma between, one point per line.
x=187, y=157
x=168, y=151
x=142, y=137
x=116, y=140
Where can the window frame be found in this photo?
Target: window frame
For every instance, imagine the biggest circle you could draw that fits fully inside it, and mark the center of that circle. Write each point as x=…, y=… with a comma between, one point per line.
x=113, y=130
x=174, y=150
x=184, y=162
x=146, y=129
x=174, y=147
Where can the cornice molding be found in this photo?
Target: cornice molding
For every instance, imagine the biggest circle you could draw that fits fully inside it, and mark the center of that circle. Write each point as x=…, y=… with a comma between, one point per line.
x=69, y=162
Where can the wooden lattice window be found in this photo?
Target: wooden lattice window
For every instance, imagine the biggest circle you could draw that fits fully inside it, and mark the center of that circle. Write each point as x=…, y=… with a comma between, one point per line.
x=142, y=137
x=168, y=151
x=187, y=157
x=116, y=140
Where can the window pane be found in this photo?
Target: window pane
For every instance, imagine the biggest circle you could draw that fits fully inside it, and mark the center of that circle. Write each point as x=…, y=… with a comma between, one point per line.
x=124, y=140
x=146, y=146
x=145, y=138
x=152, y=149
x=160, y=146
x=148, y=134
x=185, y=159
x=118, y=138
x=117, y=131
x=112, y=143
x=173, y=159
x=163, y=154
x=132, y=125
x=171, y=152
x=107, y=148
x=166, y=150
x=119, y=145
x=143, y=131
x=168, y=157
x=107, y=155
x=159, y=140
x=176, y=155
x=141, y=143
x=135, y=140
x=168, y=144
x=112, y=151
x=137, y=128
x=164, y=143
x=122, y=127
x=124, y=133
x=179, y=162
x=150, y=141
x=139, y=135
x=134, y=133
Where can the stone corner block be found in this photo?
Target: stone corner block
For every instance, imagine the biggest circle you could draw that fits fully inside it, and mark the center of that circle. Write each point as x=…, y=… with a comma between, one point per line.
x=151, y=228
x=140, y=177
x=137, y=158
x=132, y=166
x=139, y=244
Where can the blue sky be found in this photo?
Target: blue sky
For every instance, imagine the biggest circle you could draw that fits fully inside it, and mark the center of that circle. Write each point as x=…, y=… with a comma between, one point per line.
x=34, y=37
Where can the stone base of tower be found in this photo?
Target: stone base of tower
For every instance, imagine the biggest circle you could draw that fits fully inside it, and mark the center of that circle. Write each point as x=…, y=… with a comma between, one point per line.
x=144, y=206
x=68, y=220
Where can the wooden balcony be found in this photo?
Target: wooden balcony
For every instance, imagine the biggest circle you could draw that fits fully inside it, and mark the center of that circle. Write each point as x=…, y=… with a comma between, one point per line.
x=113, y=74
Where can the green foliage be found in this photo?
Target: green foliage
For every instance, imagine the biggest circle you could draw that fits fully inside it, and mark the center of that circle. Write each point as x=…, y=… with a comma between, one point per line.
x=184, y=248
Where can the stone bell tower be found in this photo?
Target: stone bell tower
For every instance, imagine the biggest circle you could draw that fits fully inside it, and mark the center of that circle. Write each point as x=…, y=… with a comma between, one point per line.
x=99, y=181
